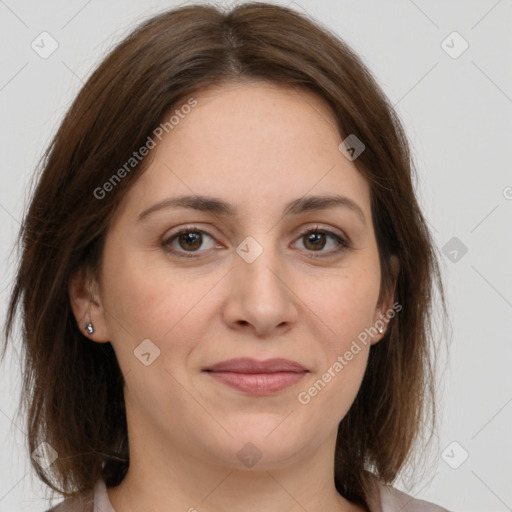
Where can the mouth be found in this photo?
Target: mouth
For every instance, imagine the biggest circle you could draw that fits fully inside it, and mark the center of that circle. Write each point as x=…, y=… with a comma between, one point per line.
x=257, y=377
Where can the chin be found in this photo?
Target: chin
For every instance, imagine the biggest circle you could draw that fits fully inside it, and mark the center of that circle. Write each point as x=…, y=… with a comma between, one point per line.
x=260, y=447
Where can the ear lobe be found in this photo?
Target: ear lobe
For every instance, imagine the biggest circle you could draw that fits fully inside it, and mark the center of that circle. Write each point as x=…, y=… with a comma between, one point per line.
x=86, y=306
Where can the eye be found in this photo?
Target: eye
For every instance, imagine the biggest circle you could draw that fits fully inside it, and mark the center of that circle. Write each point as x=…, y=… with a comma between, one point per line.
x=317, y=239
x=188, y=240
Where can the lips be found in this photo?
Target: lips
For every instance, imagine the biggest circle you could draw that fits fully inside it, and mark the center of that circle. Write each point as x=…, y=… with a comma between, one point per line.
x=246, y=365
x=257, y=377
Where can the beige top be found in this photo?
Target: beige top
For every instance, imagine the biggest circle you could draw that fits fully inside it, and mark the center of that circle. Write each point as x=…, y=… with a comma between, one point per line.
x=391, y=500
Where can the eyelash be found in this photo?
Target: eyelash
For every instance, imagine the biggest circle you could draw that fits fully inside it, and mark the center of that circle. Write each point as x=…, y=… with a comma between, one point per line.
x=343, y=244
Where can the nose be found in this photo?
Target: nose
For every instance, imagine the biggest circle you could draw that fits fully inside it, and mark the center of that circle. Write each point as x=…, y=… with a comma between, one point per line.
x=261, y=297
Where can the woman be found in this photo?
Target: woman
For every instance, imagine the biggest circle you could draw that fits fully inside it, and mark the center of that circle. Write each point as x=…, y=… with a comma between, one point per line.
x=225, y=282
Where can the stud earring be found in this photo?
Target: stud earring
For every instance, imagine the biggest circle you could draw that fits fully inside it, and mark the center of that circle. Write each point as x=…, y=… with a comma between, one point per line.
x=380, y=329
x=89, y=328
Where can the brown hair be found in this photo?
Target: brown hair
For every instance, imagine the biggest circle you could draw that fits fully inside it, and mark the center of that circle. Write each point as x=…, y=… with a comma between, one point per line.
x=72, y=388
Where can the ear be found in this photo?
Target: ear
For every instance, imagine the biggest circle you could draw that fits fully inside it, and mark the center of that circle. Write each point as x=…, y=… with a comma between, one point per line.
x=86, y=305
x=385, y=310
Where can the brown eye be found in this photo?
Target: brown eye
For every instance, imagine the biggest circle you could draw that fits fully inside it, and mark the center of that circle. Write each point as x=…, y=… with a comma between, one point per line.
x=315, y=240
x=188, y=242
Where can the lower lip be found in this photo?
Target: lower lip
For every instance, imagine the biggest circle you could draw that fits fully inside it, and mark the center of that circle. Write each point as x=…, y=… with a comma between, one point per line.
x=258, y=383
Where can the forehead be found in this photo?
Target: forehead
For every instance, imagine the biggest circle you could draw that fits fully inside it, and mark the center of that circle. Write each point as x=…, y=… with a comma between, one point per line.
x=249, y=143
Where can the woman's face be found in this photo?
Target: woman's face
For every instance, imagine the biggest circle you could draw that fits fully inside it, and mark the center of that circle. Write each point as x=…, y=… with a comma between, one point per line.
x=243, y=281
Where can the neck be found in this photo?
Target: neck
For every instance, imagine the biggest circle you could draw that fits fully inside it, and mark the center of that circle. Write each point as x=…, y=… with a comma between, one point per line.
x=158, y=479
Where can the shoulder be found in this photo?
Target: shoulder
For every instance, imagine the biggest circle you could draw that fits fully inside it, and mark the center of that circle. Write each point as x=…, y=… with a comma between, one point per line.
x=74, y=505
x=390, y=499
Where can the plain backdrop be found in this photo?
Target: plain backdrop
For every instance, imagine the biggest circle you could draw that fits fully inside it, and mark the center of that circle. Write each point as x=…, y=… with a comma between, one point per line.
x=447, y=68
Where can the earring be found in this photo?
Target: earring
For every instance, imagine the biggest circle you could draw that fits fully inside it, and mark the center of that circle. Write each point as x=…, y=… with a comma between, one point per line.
x=380, y=329
x=89, y=328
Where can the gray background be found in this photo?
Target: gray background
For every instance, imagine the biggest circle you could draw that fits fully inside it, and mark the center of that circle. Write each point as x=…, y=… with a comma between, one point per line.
x=457, y=110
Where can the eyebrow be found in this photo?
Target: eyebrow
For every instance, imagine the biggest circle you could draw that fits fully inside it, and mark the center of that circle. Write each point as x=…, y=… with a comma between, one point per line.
x=220, y=207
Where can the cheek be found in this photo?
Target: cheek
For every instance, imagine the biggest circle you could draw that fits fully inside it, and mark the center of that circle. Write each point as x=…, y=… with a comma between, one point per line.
x=346, y=305
x=333, y=386
x=352, y=311
x=153, y=301
x=344, y=308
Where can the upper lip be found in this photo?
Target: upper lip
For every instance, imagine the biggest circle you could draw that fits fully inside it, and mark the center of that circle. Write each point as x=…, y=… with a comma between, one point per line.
x=248, y=365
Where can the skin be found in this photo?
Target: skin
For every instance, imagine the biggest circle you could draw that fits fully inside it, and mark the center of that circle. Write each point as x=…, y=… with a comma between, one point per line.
x=257, y=146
